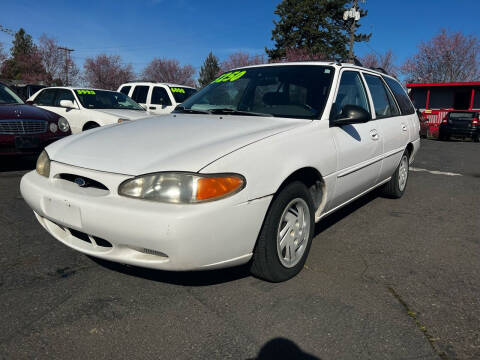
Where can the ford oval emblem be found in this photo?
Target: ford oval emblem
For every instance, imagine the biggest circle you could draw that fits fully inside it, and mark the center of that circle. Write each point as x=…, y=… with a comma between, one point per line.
x=80, y=182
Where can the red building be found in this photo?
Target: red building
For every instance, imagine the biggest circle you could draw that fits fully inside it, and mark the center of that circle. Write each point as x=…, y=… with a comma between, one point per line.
x=434, y=100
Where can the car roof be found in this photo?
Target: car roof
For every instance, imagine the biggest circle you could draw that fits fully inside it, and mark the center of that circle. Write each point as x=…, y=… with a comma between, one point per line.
x=156, y=83
x=77, y=88
x=338, y=65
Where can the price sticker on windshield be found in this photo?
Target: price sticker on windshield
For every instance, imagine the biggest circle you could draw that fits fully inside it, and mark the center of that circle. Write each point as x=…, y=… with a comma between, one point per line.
x=86, y=92
x=230, y=76
x=178, y=90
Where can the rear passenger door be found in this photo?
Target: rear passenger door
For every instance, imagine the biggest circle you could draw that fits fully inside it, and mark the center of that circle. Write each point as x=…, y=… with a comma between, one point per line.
x=393, y=126
x=359, y=146
x=140, y=95
x=160, y=103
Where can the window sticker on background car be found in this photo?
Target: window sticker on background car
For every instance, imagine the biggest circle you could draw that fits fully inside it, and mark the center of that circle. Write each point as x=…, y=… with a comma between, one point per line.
x=230, y=76
x=178, y=90
x=89, y=92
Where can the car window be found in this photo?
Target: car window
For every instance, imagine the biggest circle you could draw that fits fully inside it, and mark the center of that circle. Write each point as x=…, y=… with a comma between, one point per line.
x=291, y=91
x=125, y=90
x=350, y=92
x=401, y=96
x=382, y=99
x=46, y=97
x=180, y=94
x=7, y=96
x=105, y=99
x=140, y=93
x=160, y=96
x=63, y=94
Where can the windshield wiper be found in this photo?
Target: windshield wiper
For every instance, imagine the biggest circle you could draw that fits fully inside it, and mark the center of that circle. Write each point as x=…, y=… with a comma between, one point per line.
x=183, y=109
x=228, y=111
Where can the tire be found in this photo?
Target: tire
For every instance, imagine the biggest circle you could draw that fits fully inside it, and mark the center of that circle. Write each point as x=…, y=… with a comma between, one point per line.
x=395, y=188
x=271, y=261
x=476, y=138
x=90, y=125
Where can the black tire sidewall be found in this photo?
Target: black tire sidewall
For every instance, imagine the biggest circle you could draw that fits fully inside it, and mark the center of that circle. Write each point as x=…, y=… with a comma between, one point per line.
x=279, y=272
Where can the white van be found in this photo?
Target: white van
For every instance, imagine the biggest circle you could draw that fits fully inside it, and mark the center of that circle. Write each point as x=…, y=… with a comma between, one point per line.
x=157, y=98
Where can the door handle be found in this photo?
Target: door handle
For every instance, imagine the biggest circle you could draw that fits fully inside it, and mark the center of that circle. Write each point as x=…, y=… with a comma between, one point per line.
x=374, y=134
x=153, y=108
x=404, y=127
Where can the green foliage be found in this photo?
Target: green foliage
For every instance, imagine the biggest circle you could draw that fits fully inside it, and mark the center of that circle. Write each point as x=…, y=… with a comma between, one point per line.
x=209, y=70
x=316, y=26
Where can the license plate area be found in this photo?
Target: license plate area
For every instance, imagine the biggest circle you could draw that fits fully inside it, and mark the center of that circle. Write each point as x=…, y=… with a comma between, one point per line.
x=27, y=142
x=62, y=211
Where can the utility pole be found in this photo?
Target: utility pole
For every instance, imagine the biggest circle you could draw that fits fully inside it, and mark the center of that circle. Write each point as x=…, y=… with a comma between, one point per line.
x=67, y=61
x=353, y=14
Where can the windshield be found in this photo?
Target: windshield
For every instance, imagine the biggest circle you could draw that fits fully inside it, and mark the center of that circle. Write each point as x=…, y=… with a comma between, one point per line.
x=102, y=99
x=293, y=91
x=7, y=96
x=181, y=94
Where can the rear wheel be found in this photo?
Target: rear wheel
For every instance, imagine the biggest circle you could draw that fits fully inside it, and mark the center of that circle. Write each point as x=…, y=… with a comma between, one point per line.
x=398, y=183
x=286, y=236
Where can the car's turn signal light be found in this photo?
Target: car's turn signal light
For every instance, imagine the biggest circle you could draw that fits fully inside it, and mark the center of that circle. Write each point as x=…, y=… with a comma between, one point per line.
x=216, y=187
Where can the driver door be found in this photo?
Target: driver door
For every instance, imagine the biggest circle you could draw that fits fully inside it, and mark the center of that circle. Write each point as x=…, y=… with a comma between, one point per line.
x=359, y=146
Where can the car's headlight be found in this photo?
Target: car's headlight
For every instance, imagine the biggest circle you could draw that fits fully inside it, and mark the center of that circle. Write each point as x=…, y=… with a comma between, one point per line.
x=122, y=120
x=63, y=124
x=43, y=164
x=53, y=127
x=182, y=188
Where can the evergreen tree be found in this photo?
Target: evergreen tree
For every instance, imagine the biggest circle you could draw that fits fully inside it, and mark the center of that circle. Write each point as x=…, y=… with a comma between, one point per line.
x=316, y=26
x=209, y=70
x=25, y=62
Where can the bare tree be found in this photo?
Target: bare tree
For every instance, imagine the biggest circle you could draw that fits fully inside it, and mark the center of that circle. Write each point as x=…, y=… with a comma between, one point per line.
x=385, y=61
x=57, y=64
x=445, y=58
x=107, y=72
x=169, y=70
x=240, y=59
x=3, y=54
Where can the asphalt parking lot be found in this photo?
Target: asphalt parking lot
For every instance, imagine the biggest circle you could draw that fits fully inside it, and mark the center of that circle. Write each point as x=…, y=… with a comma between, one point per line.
x=385, y=279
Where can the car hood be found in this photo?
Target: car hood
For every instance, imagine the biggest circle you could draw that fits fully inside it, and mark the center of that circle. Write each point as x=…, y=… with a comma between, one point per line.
x=124, y=113
x=22, y=111
x=165, y=143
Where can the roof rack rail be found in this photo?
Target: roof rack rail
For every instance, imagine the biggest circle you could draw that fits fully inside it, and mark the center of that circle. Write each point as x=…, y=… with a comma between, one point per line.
x=379, y=69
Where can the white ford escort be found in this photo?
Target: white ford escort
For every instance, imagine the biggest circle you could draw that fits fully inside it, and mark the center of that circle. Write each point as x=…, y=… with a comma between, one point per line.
x=239, y=173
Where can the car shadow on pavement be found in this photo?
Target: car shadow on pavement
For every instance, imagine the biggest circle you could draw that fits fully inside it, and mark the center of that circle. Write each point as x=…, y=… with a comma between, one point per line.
x=344, y=212
x=281, y=348
x=184, y=278
x=17, y=163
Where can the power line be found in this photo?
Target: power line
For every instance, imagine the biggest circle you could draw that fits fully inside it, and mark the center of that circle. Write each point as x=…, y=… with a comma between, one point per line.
x=67, y=61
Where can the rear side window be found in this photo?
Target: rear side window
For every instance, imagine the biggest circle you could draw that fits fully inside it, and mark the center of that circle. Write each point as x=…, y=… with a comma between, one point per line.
x=46, y=98
x=63, y=94
x=125, y=90
x=401, y=96
x=382, y=99
x=160, y=96
x=350, y=92
x=140, y=94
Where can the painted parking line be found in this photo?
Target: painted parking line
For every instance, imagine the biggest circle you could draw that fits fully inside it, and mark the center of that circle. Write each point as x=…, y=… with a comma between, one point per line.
x=434, y=172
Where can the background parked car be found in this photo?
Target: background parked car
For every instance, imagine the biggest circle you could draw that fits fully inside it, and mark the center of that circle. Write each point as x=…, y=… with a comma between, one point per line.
x=157, y=98
x=24, y=91
x=88, y=108
x=460, y=123
x=25, y=129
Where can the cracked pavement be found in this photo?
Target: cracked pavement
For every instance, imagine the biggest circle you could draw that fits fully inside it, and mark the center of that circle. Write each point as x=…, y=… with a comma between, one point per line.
x=57, y=303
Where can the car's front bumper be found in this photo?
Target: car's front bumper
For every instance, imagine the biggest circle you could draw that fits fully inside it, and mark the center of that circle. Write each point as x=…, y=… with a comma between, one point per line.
x=9, y=144
x=143, y=233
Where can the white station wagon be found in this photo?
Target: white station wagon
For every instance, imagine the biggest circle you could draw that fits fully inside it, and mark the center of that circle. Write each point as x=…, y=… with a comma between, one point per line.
x=86, y=109
x=239, y=173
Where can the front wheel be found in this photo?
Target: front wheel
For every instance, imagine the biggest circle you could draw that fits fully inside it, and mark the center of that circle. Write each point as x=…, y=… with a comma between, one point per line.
x=398, y=183
x=286, y=235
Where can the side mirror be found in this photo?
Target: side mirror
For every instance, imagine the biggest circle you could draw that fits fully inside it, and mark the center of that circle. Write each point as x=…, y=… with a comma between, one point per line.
x=351, y=114
x=68, y=104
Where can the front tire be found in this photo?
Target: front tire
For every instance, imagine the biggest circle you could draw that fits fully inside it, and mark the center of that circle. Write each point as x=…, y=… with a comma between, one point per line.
x=286, y=235
x=398, y=183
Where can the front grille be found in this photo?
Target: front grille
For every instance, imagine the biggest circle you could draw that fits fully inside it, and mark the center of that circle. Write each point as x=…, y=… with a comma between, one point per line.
x=21, y=127
x=82, y=181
